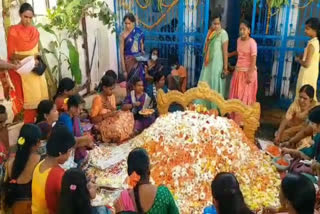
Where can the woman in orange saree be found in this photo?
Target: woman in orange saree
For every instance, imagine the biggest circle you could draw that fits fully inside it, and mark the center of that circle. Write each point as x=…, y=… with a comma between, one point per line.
x=30, y=88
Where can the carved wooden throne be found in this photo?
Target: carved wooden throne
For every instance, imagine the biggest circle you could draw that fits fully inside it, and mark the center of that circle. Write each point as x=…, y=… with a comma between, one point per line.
x=250, y=114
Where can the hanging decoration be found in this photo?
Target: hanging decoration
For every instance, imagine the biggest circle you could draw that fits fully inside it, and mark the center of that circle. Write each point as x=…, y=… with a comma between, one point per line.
x=274, y=4
x=160, y=4
x=306, y=5
x=144, y=7
x=162, y=17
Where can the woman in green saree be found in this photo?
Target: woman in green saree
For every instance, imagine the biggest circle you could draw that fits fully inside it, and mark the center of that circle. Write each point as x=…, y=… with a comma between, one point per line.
x=144, y=197
x=215, y=65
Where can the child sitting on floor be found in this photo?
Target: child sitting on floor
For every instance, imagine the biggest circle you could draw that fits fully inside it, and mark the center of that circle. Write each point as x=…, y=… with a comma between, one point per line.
x=178, y=78
x=136, y=101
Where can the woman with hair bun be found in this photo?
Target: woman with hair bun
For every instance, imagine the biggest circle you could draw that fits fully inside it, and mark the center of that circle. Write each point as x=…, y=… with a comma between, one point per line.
x=144, y=197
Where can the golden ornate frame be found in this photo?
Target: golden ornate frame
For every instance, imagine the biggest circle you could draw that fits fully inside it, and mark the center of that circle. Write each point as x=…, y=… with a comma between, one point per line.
x=251, y=114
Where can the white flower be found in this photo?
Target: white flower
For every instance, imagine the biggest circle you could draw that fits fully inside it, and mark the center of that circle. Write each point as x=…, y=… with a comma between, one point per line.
x=202, y=196
x=175, y=175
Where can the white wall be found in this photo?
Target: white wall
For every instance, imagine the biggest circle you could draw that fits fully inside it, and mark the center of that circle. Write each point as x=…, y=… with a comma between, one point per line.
x=3, y=44
x=105, y=53
x=105, y=56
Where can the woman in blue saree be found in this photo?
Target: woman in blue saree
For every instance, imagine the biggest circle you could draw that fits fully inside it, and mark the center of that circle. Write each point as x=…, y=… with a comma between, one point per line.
x=131, y=46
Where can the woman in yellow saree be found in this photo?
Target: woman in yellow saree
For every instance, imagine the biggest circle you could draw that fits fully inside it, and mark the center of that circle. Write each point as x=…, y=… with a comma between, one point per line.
x=30, y=87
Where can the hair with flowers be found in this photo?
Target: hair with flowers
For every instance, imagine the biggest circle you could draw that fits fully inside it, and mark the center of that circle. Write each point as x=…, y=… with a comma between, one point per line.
x=139, y=170
x=74, y=195
x=134, y=179
x=73, y=187
x=29, y=137
x=21, y=141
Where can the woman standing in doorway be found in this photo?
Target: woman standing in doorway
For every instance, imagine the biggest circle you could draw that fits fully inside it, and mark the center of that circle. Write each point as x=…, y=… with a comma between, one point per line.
x=31, y=88
x=309, y=70
x=131, y=46
x=215, y=66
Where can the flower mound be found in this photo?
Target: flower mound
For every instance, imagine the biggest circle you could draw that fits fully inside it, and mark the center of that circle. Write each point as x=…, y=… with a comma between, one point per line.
x=188, y=149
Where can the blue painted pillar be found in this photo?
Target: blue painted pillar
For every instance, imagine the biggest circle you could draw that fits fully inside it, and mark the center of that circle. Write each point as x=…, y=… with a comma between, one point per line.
x=233, y=21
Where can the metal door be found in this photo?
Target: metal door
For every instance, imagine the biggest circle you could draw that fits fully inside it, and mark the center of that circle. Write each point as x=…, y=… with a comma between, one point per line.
x=174, y=26
x=280, y=36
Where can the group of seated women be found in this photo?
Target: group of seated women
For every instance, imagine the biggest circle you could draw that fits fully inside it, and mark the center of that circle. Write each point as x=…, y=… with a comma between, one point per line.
x=39, y=183
x=299, y=133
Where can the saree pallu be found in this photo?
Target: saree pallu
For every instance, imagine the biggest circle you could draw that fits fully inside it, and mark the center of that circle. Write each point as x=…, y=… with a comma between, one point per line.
x=118, y=127
x=30, y=88
x=132, y=48
x=134, y=69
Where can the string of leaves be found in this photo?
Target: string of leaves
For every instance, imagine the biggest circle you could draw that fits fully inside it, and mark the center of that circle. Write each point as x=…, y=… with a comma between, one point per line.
x=274, y=4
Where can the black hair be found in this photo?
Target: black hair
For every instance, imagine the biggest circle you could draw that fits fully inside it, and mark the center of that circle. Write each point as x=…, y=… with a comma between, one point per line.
x=154, y=49
x=3, y=109
x=139, y=162
x=308, y=89
x=314, y=23
x=226, y=190
x=129, y=16
x=107, y=81
x=31, y=135
x=74, y=196
x=217, y=16
x=173, y=60
x=135, y=80
x=314, y=115
x=44, y=107
x=25, y=7
x=74, y=101
x=111, y=73
x=157, y=76
x=66, y=84
x=246, y=23
x=60, y=141
x=300, y=192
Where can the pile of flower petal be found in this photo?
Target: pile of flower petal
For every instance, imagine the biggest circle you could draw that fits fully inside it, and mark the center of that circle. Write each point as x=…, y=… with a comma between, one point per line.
x=188, y=149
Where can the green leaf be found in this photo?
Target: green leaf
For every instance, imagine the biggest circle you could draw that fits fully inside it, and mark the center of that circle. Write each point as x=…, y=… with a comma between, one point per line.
x=47, y=28
x=46, y=51
x=74, y=62
x=54, y=69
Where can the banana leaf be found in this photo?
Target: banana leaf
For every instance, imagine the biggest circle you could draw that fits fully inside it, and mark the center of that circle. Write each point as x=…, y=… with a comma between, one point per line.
x=74, y=62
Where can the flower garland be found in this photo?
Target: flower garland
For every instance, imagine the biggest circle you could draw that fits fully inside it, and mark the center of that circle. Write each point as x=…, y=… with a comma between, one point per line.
x=143, y=7
x=306, y=5
x=150, y=27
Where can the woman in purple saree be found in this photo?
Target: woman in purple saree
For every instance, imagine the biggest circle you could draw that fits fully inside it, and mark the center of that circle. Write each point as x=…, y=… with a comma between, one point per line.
x=131, y=46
